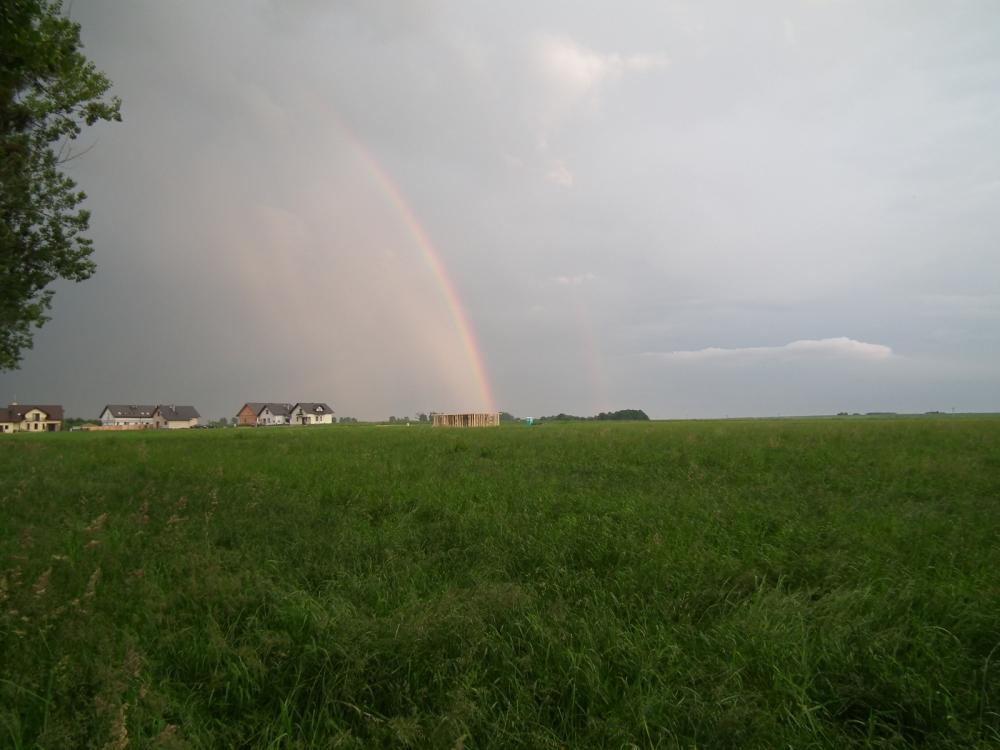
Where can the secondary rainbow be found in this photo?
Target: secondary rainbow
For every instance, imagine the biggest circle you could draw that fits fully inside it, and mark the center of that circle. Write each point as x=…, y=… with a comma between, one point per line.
x=592, y=358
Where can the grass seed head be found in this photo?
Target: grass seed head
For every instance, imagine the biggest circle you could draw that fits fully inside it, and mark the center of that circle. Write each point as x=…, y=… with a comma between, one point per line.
x=41, y=583
x=132, y=665
x=118, y=737
x=92, y=585
x=97, y=524
x=166, y=735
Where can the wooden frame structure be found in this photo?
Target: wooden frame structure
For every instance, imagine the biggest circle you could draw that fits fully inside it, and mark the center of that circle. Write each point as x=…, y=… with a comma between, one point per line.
x=473, y=419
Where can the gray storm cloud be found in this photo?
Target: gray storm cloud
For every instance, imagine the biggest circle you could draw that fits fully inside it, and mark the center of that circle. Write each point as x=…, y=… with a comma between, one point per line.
x=598, y=182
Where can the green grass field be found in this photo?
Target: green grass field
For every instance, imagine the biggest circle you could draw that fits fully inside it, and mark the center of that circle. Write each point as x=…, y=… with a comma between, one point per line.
x=782, y=583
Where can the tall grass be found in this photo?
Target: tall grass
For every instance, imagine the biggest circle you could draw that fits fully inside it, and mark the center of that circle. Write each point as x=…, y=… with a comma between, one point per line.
x=811, y=583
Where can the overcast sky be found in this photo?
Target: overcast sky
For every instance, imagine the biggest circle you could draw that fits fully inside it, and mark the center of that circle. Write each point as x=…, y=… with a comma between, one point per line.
x=697, y=209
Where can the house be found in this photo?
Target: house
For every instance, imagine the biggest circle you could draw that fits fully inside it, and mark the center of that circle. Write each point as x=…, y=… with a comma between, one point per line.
x=274, y=414
x=127, y=415
x=174, y=417
x=305, y=413
x=247, y=416
x=472, y=419
x=263, y=414
x=31, y=418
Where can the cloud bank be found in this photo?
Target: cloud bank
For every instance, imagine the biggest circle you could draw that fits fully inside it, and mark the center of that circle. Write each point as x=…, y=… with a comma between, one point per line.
x=840, y=348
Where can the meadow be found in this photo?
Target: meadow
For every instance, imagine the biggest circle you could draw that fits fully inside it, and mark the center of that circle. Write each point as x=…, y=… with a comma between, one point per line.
x=825, y=583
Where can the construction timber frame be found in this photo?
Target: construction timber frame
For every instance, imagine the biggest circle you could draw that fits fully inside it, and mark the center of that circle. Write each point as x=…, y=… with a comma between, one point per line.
x=475, y=419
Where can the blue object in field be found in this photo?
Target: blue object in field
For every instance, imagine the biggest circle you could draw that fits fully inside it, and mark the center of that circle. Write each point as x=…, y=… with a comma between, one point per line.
x=529, y=421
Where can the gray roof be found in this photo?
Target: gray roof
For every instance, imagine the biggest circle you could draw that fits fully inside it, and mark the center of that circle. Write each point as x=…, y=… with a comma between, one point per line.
x=132, y=411
x=317, y=408
x=281, y=410
x=178, y=413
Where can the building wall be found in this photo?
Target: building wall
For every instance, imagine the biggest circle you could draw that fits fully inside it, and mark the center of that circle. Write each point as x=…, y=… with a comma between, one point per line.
x=246, y=416
x=115, y=427
x=268, y=418
x=472, y=419
x=33, y=426
x=161, y=423
x=107, y=418
x=37, y=421
x=300, y=416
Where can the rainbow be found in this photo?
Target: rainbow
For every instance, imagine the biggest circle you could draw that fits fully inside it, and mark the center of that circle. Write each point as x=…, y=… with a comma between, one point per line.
x=434, y=262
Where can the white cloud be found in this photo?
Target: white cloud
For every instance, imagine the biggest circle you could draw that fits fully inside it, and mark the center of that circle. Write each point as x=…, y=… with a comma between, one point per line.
x=568, y=78
x=564, y=280
x=559, y=173
x=572, y=73
x=842, y=348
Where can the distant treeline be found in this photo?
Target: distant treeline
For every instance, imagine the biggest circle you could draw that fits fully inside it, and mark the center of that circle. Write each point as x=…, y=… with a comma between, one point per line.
x=625, y=415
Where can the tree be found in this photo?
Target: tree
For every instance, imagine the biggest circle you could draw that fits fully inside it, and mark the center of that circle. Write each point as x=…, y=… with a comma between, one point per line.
x=48, y=92
x=628, y=415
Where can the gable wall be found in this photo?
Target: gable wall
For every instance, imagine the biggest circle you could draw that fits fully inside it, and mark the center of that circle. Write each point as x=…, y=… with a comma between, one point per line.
x=246, y=416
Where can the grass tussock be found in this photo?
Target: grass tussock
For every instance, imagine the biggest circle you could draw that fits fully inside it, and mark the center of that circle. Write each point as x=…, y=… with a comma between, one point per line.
x=822, y=584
